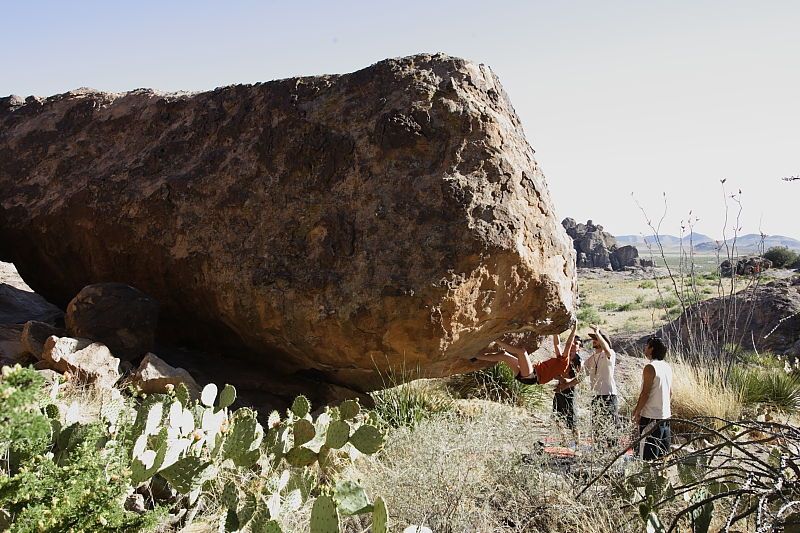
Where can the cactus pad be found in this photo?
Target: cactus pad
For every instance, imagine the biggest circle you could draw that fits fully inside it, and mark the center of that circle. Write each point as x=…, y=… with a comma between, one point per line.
x=230, y=496
x=52, y=412
x=303, y=431
x=300, y=457
x=208, y=395
x=337, y=435
x=301, y=406
x=274, y=419
x=380, y=517
x=182, y=394
x=351, y=498
x=226, y=397
x=186, y=474
x=367, y=439
x=243, y=441
x=349, y=409
x=324, y=518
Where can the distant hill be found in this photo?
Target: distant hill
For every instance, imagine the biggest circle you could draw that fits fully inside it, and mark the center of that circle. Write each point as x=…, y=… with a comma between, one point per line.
x=749, y=243
x=667, y=241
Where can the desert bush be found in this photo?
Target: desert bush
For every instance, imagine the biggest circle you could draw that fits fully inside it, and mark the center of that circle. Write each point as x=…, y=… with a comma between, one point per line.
x=702, y=392
x=498, y=384
x=773, y=387
x=408, y=404
x=647, y=284
x=609, y=306
x=54, y=478
x=663, y=302
x=759, y=359
x=729, y=476
x=781, y=256
x=587, y=314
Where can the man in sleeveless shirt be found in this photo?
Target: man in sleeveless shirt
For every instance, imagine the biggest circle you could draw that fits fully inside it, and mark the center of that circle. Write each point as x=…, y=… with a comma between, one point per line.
x=653, y=410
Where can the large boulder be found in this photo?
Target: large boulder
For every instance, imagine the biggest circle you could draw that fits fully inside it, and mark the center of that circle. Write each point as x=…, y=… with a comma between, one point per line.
x=342, y=225
x=117, y=315
x=745, y=266
x=765, y=318
x=18, y=306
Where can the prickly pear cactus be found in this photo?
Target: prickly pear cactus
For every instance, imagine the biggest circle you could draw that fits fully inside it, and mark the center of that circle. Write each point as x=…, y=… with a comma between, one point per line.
x=380, y=517
x=304, y=431
x=301, y=406
x=182, y=394
x=186, y=474
x=242, y=443
x=52, y=412
x=208, y=395
x=349, y=409
x=367, y=439
x=226, y=397
x=324, y=516
x=300, y=457
x=351, y=499
x=337, y=434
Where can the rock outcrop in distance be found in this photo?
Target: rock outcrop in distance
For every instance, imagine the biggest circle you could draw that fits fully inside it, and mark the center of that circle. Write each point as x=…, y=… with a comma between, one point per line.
x=344, y=225
x=596, y=248
x=765, y=318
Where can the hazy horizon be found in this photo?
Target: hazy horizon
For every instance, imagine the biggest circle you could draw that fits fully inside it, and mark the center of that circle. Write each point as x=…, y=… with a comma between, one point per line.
x=618, y=98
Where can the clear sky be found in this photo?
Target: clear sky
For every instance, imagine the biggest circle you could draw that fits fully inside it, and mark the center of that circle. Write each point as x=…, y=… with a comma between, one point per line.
x=642, y=97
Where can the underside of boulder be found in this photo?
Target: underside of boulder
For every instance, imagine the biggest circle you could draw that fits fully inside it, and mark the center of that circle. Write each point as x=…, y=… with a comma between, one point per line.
x=343, y=225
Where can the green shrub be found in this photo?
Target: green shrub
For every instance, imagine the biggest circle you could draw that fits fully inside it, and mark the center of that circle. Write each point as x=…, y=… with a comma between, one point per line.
x=58, y=479
x=498, y=384
x=647, y=284
x=24, y=429
x=663, y=302
x=781, y=256
x=587, y=314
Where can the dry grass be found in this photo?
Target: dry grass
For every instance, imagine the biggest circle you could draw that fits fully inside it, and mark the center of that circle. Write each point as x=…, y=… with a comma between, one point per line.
x=478, y=469
x=698, y=392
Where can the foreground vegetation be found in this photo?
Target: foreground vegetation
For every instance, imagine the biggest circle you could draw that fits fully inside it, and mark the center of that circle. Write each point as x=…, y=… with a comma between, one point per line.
x=474, y=453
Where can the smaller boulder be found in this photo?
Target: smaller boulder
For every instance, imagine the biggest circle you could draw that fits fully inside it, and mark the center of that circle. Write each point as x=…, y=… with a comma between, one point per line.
x=154, y=374
x=117, y=315
x=11, y=349
x=35, y=334
x=89, y=360
x=17, y=306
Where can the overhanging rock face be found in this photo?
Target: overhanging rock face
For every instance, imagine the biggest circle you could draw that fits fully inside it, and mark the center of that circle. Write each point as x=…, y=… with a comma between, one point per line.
x=392, y=217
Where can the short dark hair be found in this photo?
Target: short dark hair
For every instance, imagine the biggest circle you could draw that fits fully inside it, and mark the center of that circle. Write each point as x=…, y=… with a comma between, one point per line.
x=658, y=347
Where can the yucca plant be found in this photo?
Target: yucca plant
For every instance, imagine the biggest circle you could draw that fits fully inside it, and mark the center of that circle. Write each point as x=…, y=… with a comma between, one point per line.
x=408, y=404
x=498, y=384
x=776, y=388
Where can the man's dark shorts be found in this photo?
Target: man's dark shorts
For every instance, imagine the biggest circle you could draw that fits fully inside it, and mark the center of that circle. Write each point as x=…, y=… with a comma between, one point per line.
x=564, y=406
